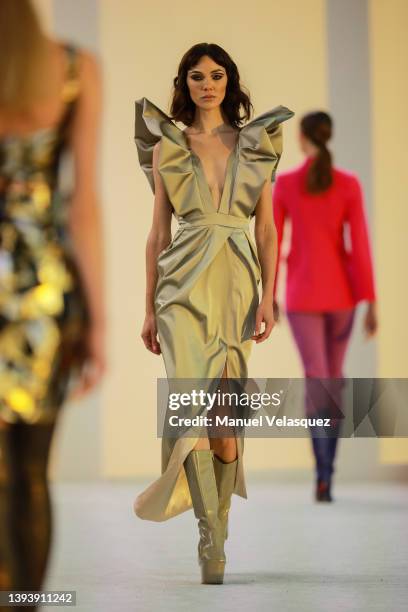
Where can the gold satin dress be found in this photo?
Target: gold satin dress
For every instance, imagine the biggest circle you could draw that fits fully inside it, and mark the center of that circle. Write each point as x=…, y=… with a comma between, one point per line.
x=207, y=290
x=43, y=308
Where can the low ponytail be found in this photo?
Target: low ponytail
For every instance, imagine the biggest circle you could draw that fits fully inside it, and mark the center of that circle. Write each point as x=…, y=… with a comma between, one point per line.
x=317, y=127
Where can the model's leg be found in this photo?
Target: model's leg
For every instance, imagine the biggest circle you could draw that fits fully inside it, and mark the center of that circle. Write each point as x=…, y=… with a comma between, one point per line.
x=35, y=511
x=225, y=458
x=211, y=474
x=199, y=469
x=224, y=447
x=25, y=513
x=225, y=463
x=13, y=568
x=339, y=326
x=309, y=333
x=200, y=474
x=203, y=443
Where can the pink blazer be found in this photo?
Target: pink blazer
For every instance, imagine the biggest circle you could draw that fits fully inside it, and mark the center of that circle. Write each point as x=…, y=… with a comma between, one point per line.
x=326, y=271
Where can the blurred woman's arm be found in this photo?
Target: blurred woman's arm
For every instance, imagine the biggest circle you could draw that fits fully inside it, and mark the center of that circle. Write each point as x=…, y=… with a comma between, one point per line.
x=360, y=258
x=85, y=221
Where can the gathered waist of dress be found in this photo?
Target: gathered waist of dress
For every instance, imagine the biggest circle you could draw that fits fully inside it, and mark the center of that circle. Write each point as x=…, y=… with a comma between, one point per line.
x=214, y=218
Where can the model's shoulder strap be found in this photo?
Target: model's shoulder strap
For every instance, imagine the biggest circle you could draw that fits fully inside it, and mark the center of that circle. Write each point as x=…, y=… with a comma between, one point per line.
x=71, y=86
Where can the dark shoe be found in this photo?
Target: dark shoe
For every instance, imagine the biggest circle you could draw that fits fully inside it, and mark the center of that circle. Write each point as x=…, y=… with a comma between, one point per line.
x=323, y=493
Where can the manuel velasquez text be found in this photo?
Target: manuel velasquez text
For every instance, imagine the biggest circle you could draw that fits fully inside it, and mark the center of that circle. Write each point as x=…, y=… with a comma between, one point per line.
x=259, y=421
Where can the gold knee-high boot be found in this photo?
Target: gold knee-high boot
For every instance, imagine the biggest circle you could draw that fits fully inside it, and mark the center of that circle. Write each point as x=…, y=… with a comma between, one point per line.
x=225, y=475
x=199, y=467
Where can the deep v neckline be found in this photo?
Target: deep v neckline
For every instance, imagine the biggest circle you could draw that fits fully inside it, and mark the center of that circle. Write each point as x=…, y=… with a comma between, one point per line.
x=204, y=181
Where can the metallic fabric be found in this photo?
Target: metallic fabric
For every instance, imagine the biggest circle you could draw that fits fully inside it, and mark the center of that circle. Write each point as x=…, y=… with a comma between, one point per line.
x=207, y=289
x=42, y=306
x=25, y=507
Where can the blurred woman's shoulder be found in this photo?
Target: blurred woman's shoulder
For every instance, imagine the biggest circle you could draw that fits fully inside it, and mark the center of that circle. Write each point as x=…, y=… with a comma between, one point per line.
x=345, y=177
x=79, y=59
x=286, y=176
x=82, y=72
x=342, y=178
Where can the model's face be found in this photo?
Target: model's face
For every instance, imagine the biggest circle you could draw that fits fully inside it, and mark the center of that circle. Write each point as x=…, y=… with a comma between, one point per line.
x=207, y=82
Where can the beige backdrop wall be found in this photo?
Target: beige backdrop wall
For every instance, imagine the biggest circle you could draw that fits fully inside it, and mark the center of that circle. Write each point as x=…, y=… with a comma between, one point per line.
x=389, y=67
x=281, y=49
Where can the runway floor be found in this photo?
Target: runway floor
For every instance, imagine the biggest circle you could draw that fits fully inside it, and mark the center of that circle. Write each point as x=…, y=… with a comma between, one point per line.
x=285, y=552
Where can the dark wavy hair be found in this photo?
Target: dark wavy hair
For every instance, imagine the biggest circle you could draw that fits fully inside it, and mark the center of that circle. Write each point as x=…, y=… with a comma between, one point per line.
x=318, y=128
x=182, y=106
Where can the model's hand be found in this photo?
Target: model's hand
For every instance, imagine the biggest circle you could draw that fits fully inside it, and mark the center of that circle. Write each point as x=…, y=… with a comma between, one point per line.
x=149, y=334
x=94, y=366
x=264, y=314
x=370, y=320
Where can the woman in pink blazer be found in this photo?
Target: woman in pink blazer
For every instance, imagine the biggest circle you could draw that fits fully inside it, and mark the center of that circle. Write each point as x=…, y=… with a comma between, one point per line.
x=329, y=270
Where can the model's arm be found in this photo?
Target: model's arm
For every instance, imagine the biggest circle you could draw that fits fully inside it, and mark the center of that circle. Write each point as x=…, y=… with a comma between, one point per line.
x=362, y=276
x=266, y=242
x=84, y=214
x=280, y=213
x=158, y=239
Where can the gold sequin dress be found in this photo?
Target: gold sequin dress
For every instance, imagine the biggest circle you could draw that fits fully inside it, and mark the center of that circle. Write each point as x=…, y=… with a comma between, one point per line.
x=207, y=289
x=43, y=311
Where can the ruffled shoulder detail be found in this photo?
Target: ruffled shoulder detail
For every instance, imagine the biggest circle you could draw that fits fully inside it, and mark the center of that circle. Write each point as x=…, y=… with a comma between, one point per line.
x=261, y=138
x=151, y=124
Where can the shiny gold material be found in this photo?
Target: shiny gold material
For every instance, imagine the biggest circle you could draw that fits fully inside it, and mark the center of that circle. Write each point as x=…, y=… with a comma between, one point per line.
x=43, y=311
x=71, y=90
x=41, y=195
x=207, y=289
x=203, y=488
x=225, y=475
x=20, y=401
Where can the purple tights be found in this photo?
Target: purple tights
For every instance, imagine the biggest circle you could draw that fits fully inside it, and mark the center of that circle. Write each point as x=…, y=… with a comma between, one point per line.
x=322, y=339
